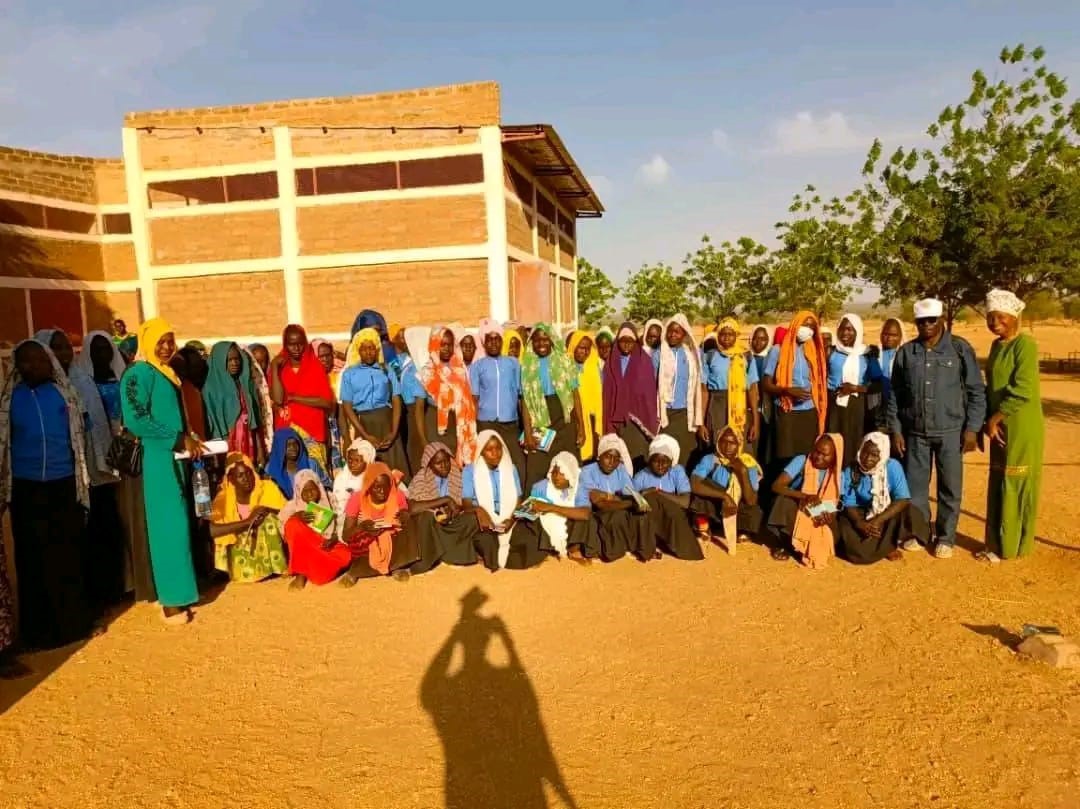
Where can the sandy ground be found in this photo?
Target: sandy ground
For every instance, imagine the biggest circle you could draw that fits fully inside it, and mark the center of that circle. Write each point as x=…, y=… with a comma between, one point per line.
x=735, y=682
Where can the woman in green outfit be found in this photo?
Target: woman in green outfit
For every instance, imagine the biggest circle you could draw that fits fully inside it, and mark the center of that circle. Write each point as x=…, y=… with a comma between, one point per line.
x=151, y=410
x=1014, y=430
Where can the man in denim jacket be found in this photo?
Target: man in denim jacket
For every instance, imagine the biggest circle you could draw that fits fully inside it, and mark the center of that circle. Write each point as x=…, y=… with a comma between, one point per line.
x=936, y=408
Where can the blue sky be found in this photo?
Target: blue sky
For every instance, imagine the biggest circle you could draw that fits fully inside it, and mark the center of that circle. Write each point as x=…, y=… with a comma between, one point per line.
x=689, y=117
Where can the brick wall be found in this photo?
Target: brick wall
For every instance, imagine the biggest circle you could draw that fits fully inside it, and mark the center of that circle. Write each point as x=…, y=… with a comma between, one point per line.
x=109, y=182
x=124, y=305
x=119, y=261
x=57, y=308
x=519, y=227
x=23, y=256
x=409, y=292
x=392, y=225
x=236, y=304
x=312, y=143
x=171, y=150
x=217, y=237
x=62, y=177
x=566, y=253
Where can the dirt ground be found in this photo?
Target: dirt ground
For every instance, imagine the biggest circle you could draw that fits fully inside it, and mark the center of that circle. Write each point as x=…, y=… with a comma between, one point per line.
x=735, y=682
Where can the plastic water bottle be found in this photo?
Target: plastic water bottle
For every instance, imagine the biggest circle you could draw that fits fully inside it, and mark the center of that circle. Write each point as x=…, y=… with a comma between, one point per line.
x=200, y=486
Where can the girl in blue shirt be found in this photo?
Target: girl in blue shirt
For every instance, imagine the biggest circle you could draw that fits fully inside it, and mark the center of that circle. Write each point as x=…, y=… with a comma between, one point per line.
x=603, y=487
x=851, y=372
x=877, y=516
x=371, y=399
x=725, y=487
x=666, y=488
x=491, y=490
x=42, y=446
x=565, y=529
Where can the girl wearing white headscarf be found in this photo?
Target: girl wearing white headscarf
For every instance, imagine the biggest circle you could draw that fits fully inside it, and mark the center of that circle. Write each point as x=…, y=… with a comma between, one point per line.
x=876, y=514
x=605, y=486
x=492, y=488
x=565, y=529
x=348, y=480
x=666, y=488
x=679, y=385
x=314, y=554
x=851, y=373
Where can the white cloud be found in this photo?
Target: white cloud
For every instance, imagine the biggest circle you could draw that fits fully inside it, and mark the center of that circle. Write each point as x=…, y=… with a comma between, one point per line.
x=655, y=172
x=803, y=134
x=64, y=83
x=721, y=140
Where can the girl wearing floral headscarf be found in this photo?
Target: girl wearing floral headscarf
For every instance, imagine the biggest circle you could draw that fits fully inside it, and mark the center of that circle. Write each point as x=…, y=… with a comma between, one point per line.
x=549, y=388
x=448, y=413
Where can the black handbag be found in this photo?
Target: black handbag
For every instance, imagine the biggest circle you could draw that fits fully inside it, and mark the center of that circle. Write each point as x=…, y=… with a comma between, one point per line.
x=125, y=455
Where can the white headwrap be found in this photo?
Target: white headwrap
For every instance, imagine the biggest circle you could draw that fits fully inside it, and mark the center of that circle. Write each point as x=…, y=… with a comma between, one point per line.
x=665, y=445
x=929, y=307
x=665, y=387
x=1002, y=300
x=613, y=442
x=297, y=505
x=645, y=331
x=853, y=361
x=554, y=524
x=879, y=475
x=346, y=483
x=768, y=343
x=416, y=338
x=485, y=492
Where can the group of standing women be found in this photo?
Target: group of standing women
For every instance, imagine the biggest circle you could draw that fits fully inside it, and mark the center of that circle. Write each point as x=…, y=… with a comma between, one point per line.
x=502, y=445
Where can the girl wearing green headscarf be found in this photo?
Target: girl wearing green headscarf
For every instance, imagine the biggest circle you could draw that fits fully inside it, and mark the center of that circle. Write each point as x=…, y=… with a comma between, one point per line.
x=232, y=402
x=549, y=388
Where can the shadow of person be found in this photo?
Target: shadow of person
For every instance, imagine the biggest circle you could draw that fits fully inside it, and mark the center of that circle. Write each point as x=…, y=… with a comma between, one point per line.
x=488, y=719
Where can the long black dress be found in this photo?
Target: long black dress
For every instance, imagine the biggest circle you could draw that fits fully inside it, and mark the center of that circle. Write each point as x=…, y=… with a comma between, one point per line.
x=537, y=463
x=668, y=526
x=452, y=542
x=860, y=550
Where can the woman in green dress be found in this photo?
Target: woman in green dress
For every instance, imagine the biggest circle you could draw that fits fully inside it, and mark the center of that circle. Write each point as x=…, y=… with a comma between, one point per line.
x=150, y=404
x=1014, y=430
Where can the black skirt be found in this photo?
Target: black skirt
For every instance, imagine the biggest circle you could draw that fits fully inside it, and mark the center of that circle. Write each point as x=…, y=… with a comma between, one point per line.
x=414, y=444
x=453, y=543
x=849, y=422
x=431, y=427
x=679, y=429
x=510, y=433
x=795, y=432
x=404, y=553
x=782, y=520
x=747, y=520
x=537, y=463
x=48, y=526
x=579, y=533
x=377, y=423
x=104, y=554
x=524, y=547
x=860, y=550
x=637, y=444
x=669, y=528
x=622, y=532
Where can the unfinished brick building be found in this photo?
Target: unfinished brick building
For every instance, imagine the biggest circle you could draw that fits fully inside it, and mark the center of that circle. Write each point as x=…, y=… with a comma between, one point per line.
x=232, y=221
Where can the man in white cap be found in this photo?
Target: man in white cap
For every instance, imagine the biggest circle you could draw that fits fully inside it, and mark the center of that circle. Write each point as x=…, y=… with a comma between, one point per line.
x=936, y=407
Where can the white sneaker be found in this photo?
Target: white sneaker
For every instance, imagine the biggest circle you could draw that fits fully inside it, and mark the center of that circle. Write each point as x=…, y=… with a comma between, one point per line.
x=911, y=545
x=943, y=551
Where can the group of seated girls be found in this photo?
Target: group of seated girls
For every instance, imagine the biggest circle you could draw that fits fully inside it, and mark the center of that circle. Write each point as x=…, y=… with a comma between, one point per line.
x=370, y=524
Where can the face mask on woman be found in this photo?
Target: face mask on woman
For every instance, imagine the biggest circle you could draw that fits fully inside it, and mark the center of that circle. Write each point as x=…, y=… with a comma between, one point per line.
x=804, y=333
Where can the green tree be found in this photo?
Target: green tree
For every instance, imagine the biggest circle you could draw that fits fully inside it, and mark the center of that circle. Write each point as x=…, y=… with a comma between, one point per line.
x=655, y=291
x=595, y=293
x=813, y=267
x=716, y=275
x=995, y=201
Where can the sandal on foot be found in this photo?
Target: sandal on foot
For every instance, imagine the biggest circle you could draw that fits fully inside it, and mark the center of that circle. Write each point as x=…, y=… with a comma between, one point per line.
x=298, y=583
x=348, y=580
x=780, y=554
x=401, y=575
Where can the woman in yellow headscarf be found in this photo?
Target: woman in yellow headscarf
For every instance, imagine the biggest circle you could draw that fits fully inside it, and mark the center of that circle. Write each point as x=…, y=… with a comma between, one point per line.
x=731, y=382
x=150, y=405
x=582, y=348
x=244, y=524
x=370, y=395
